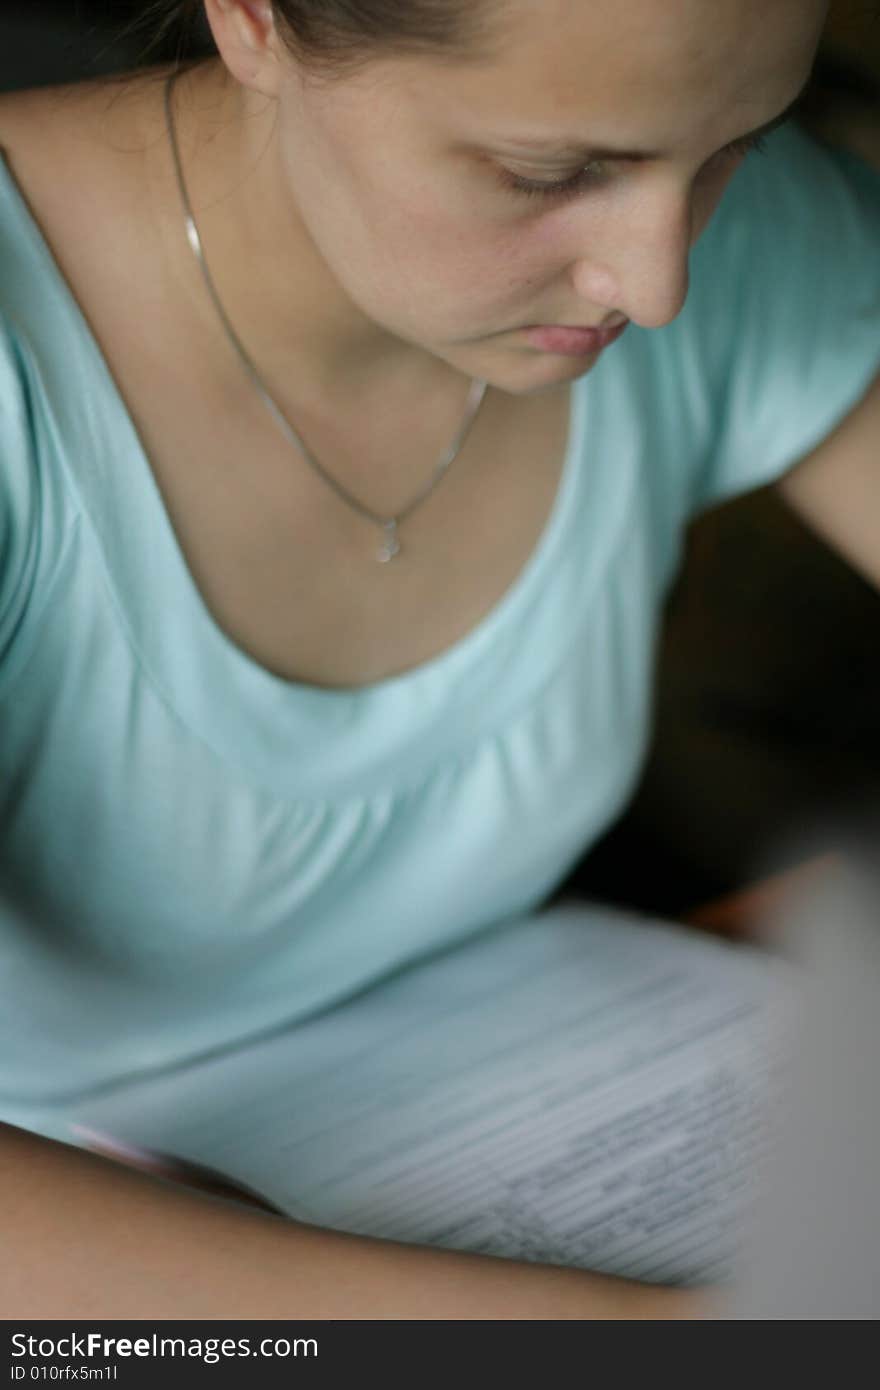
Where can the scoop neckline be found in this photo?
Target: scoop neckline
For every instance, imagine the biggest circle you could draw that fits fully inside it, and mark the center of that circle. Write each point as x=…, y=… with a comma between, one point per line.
x=446, y=662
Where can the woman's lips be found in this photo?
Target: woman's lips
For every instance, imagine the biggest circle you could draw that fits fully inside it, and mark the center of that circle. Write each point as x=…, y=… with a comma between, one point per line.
x=573, y=342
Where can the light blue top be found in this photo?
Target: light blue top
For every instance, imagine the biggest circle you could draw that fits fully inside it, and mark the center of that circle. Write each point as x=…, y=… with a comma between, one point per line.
x=195, y=851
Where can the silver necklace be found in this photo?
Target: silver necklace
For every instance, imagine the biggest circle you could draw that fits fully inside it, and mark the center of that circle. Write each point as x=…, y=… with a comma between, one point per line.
x=389, y=525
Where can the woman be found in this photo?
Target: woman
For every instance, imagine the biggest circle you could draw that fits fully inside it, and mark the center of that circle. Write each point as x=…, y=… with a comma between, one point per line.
x=329, y=580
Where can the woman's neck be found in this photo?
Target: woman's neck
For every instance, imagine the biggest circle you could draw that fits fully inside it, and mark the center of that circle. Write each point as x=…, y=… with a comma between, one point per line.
x=275, y=286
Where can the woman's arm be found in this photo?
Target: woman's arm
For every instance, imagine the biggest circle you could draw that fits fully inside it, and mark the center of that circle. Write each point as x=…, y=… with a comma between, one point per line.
x=835, y=488
x=87, y=1237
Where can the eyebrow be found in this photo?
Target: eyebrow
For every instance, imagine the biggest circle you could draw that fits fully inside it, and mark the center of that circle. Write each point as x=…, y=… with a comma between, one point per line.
x=573, y=145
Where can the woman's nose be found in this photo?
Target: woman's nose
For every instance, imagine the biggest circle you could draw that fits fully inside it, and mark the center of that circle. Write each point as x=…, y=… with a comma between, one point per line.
x=641, y=269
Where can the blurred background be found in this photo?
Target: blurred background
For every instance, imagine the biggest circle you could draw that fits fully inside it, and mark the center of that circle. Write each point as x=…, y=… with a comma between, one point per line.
x=769, y=674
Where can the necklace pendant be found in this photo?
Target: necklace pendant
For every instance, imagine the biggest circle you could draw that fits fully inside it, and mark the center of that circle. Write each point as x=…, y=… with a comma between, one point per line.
x=391, y=545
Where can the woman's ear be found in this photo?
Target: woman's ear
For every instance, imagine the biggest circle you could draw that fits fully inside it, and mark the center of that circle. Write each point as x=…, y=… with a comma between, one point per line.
x=247, y=40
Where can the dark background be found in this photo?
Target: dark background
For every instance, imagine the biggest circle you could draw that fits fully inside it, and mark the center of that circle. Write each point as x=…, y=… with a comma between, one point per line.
x=769, y=675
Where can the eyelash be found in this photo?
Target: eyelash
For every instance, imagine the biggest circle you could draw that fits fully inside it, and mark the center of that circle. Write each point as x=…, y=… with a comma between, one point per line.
x=583, y=180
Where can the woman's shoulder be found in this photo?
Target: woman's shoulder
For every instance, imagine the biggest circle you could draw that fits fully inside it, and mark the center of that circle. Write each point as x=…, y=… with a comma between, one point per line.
x=86, y=121
x=80, y=221
x=69, y=200
x=77, y=149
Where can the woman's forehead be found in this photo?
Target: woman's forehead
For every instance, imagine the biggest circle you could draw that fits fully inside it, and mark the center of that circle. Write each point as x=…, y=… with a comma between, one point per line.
x=561, y=65
x=611, y=28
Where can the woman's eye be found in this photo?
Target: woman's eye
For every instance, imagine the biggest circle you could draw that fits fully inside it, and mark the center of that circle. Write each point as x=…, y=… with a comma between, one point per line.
x=594, y=174
x=571, y=187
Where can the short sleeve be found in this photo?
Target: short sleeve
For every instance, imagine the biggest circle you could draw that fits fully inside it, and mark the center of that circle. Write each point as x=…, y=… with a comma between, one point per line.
x=19, y=492
x=796, y=267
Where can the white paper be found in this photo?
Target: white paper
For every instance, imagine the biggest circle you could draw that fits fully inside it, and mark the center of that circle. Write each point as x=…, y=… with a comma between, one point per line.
x=583, y=1087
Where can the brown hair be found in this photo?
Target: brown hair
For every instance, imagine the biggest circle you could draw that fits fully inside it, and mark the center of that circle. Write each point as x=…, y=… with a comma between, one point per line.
x=337, y=38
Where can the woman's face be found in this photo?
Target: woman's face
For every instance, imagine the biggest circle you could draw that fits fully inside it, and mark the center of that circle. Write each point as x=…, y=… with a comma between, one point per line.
x=399, y=175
